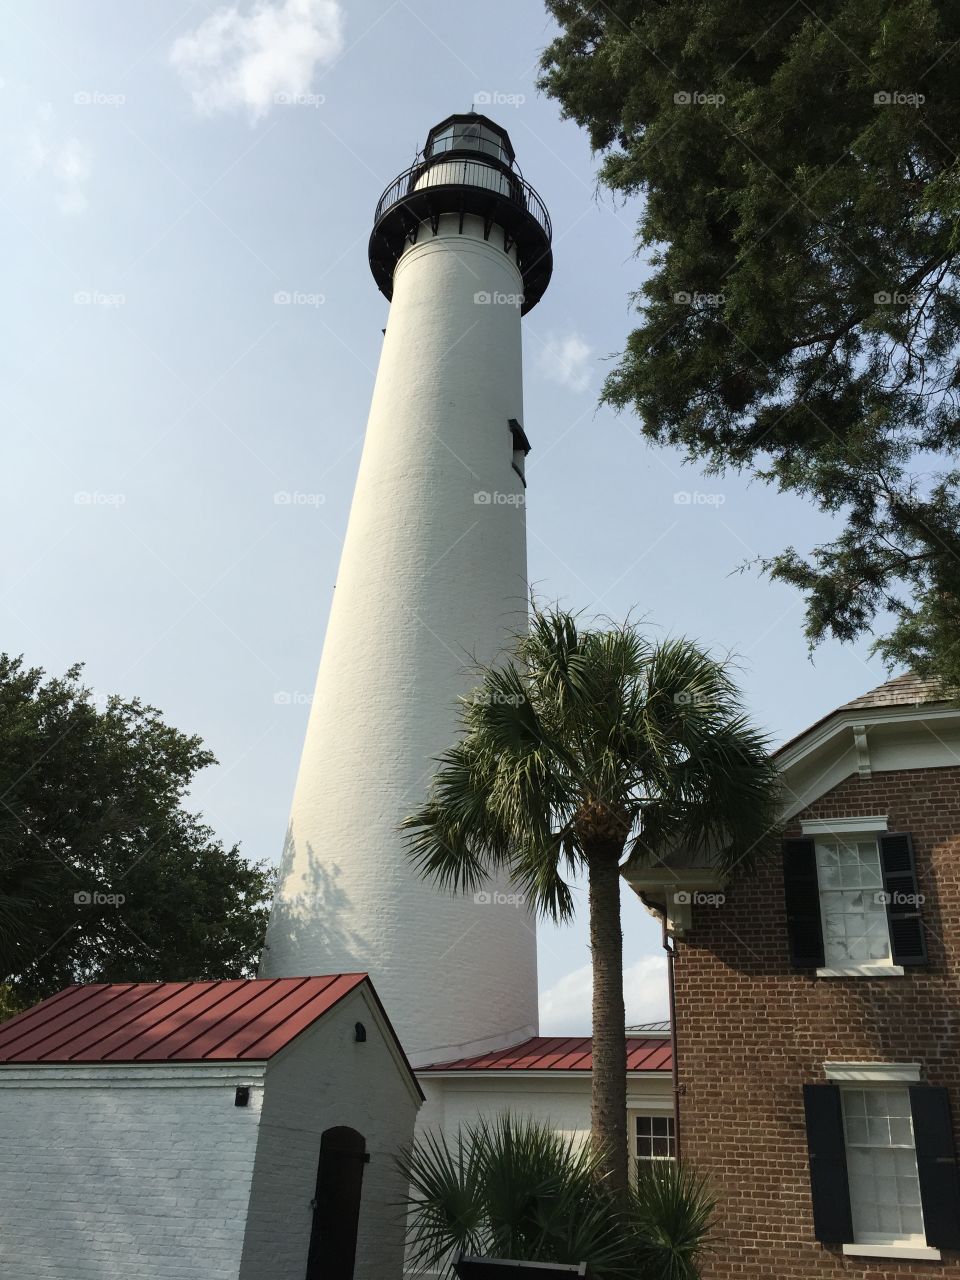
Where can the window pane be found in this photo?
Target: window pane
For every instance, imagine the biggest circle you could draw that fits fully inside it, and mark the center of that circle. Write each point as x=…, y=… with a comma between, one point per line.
x=882, y=1166
x=855, y=929
x=654, y=1137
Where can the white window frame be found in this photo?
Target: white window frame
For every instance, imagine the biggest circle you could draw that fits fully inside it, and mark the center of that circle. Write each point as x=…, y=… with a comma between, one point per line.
x=862, y=1075
x=826, y=829
x=654, y=1112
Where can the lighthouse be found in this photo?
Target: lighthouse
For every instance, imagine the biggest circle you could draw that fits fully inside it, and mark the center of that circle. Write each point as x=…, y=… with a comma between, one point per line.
x=432, y=580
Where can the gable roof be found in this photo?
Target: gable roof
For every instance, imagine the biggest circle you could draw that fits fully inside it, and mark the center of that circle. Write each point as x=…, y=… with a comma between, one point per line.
x=908, y=690
x=561, y=1053
x=148, y=1022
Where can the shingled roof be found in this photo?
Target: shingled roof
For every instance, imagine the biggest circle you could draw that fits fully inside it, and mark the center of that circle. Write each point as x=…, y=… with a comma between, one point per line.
x=908, y=690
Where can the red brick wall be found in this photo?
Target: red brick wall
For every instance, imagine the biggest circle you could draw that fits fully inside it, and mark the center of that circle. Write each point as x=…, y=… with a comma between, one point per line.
x=752, y=1031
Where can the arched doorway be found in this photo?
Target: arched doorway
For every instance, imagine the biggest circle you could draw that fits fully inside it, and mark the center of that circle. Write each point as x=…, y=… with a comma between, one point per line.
x=336, y=1205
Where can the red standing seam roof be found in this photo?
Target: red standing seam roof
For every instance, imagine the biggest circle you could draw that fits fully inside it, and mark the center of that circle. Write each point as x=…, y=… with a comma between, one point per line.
x=229, y=1021
x=560, y=1053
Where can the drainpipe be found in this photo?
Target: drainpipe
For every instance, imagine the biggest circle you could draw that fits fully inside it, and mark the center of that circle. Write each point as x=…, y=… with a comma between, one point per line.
x=671, y=950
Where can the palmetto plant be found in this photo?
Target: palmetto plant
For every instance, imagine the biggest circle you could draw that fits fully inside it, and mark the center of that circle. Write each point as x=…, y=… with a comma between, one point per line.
x=583, y=751
x=515, y=1189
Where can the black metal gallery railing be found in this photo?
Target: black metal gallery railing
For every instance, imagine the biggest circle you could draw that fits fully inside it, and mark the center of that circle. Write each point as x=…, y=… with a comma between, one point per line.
x=467, y=173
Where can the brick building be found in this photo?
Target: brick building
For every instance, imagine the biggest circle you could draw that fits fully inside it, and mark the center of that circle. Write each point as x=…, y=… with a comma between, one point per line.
x=818, y=1006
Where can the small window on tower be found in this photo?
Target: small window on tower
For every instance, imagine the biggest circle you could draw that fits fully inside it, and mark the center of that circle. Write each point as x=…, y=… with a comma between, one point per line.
x=521, y=447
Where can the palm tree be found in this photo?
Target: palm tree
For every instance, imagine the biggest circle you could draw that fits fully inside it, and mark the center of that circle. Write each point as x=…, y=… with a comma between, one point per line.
x=583, y=751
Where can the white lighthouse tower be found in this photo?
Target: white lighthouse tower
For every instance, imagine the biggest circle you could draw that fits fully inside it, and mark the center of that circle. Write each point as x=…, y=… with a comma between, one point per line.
x=432, y=577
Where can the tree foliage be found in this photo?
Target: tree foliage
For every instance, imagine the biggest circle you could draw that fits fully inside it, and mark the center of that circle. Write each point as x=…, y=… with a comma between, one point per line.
x=582, y=751
x=92, y=812
x=802, y=186
x=512, y=1188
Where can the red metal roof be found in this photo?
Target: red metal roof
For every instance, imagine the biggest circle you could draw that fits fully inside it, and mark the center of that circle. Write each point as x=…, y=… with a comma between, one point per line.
x=562, y=1053
x=245, y=1018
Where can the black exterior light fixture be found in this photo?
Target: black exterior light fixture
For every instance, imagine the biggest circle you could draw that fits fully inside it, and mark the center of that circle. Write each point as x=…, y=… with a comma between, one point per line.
x=508, y=1269
x=360, y=1033
x=467, y=167
x=242, y=1096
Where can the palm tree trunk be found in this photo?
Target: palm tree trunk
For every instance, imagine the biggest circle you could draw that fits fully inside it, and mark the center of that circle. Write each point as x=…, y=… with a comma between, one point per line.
x=608, y=1105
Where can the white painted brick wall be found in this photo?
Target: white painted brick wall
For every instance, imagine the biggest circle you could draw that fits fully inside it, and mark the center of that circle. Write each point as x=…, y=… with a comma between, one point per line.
x=118, y=1173
x=148, y=1173
x=326, y=1078
x=429, y=578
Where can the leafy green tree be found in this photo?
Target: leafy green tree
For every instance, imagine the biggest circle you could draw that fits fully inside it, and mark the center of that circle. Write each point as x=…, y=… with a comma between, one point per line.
x=801, y=322
x=104, y=875
x=516, y=1189
x=584, y=750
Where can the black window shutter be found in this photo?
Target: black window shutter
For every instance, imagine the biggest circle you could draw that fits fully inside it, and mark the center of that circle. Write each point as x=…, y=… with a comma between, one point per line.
x=937, y=1165
x=832, y=1222
x=802, y=892
x=907, y=938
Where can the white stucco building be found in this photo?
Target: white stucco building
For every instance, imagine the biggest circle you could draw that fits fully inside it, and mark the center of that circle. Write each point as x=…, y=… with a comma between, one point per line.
x=230, y=1130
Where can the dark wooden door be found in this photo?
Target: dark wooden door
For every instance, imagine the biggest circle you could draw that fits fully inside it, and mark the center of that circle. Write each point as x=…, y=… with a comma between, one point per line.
x=336, y=1205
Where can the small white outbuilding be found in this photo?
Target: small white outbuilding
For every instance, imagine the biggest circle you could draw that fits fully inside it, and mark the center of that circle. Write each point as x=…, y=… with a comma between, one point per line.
x=231, y=1130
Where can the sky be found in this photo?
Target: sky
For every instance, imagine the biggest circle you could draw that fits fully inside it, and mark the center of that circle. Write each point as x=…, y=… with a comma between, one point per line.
x=190, y=342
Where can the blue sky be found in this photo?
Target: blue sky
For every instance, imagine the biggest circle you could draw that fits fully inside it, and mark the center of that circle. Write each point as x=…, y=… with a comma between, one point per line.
x=167, y=171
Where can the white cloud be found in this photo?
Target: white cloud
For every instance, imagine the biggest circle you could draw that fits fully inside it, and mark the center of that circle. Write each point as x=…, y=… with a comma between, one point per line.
x=565, y=1007
x=567, y=360
x=66, y=161
x=243, y=60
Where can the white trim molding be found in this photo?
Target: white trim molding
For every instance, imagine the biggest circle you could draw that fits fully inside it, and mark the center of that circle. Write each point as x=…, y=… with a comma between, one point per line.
x=843, y=826
x=864, y=971
x=873, y=1072
x=908, y=1252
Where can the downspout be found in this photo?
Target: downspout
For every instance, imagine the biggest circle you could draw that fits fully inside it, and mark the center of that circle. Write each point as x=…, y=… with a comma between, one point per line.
x=671, y=950
x=661, y=911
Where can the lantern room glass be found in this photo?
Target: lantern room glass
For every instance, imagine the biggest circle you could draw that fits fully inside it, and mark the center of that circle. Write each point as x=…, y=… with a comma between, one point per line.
x=469, y=135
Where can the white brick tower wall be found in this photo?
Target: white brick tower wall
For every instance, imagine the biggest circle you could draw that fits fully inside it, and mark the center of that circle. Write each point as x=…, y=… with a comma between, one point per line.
x=432, y=576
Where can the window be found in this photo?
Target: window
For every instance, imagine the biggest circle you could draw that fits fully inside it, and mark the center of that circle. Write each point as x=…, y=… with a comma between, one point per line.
x=854, y=908
x=852, y=904
x=882, y=1166
x=654, y=1137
